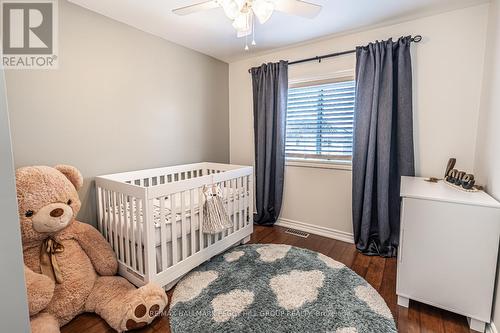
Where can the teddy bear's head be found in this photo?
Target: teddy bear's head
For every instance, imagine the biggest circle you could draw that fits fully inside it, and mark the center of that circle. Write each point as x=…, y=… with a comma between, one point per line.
x=47, y=198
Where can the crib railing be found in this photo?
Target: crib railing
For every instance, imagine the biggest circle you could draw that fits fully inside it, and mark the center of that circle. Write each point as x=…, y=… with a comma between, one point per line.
x=158, y=176
x=154, y=218
x=121, y=221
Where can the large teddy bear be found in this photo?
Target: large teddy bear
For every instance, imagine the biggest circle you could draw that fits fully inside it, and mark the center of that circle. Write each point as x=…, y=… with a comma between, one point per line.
x=69, y=266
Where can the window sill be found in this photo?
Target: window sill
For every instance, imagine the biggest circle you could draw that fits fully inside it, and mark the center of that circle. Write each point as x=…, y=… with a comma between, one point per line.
x=337, y=165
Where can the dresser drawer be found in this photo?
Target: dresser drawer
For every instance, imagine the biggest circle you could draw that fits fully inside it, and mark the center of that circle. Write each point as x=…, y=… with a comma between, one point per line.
x=448, y=255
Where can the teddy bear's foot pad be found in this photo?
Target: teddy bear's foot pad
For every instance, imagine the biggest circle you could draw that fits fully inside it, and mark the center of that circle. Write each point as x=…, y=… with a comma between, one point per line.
x=152, y=301
x=140, y=314
x=140, y=310
x=132, y=324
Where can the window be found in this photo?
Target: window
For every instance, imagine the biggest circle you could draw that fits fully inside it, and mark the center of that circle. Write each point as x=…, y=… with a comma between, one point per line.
x=320, y=120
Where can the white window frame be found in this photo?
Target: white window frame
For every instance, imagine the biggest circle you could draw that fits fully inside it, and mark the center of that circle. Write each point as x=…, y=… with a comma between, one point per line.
x=338, y=164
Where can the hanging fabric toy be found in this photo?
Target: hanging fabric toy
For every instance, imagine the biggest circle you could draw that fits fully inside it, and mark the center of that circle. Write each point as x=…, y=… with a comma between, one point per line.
x=215, y=217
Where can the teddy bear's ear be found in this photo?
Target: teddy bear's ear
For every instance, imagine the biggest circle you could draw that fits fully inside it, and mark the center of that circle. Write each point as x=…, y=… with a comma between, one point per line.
x=72, y=173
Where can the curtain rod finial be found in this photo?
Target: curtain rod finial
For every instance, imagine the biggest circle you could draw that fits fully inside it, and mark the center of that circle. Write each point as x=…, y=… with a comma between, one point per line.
x=417, y=38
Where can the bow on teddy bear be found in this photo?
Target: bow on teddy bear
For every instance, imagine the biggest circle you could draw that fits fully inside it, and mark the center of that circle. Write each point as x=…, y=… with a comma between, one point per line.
x=69, y=266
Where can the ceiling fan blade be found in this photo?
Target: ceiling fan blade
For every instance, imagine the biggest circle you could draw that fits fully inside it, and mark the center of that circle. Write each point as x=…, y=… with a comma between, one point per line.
x=196, y=8
x=298, y=7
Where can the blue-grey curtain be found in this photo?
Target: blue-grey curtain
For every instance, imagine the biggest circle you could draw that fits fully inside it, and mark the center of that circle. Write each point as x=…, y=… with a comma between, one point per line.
x=270, y=94
x=383, y=143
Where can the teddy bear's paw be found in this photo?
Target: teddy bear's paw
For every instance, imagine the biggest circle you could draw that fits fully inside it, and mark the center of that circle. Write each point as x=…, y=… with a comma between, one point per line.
x=141, y=315
x=150, y=301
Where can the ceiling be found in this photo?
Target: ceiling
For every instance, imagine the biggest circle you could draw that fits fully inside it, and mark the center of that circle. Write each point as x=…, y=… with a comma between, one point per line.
x=210, y=32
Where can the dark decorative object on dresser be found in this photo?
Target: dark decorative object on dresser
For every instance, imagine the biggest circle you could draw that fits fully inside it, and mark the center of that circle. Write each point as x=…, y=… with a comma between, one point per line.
x=458, y=178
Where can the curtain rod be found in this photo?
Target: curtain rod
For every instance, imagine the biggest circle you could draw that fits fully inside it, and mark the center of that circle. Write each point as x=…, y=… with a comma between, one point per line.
x=415, y=39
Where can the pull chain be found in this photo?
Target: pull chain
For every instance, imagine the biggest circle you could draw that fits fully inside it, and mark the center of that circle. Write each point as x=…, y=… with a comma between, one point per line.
x=253, y=32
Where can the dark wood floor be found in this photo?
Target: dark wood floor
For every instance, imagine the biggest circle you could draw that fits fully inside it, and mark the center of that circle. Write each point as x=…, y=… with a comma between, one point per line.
x=379, y=272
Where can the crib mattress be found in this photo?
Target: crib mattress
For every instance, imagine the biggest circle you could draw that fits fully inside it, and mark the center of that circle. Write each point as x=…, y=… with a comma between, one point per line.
x=168, y=225
x=157, y=215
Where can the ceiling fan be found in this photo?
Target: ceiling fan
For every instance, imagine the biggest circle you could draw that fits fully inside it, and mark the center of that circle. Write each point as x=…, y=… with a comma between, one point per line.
x=242, y=12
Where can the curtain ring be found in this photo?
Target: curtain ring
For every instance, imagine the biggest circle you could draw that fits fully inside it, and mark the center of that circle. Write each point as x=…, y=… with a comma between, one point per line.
x=417, y=38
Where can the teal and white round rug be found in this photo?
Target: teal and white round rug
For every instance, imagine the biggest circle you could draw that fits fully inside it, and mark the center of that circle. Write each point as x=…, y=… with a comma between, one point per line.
x=277, y=288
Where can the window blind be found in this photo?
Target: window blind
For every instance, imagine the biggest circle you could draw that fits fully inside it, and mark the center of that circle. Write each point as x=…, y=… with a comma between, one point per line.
x=320, y=121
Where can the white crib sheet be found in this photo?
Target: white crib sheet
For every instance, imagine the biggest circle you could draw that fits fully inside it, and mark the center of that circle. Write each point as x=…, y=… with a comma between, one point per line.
x=168, y=215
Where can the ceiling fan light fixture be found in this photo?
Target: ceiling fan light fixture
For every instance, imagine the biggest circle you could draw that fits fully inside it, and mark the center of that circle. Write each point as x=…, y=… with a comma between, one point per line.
x=232, y=8
x=263, y=9
x=243, y=24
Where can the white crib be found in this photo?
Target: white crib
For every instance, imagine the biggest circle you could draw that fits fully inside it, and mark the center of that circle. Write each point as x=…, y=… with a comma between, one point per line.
x=153, y=218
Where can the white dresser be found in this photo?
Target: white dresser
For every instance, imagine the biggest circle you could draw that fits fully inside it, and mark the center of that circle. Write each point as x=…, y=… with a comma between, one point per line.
x=448, y=249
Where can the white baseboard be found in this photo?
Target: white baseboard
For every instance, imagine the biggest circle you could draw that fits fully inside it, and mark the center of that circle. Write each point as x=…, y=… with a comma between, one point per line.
x=317, y=230
x=491, y=328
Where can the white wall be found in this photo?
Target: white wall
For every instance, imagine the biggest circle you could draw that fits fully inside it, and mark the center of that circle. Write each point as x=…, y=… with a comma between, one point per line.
x=13, y=304
x=488, y=140
x=448, y=67
x=121, y=100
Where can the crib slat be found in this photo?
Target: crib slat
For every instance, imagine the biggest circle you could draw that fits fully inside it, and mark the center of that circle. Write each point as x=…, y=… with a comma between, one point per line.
x=184, y=225
x=139, y=225
x=114, y=223
x=133, y=228
x=224, y=194
x=125, y=229
x=223, y=233
x=240, y=202
x=163, y=233
x=108, y=213
x=119, y=228
x=245, y=201
x=250, y=206
x=110, y=220
x=149, y=238
x=210, y=237
x=228, y=202
x=173, y=224
x=234, y=186
x=193, y=229
x=200, y=217
x=235, y=204
x=100, y=207
x=220, y=235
